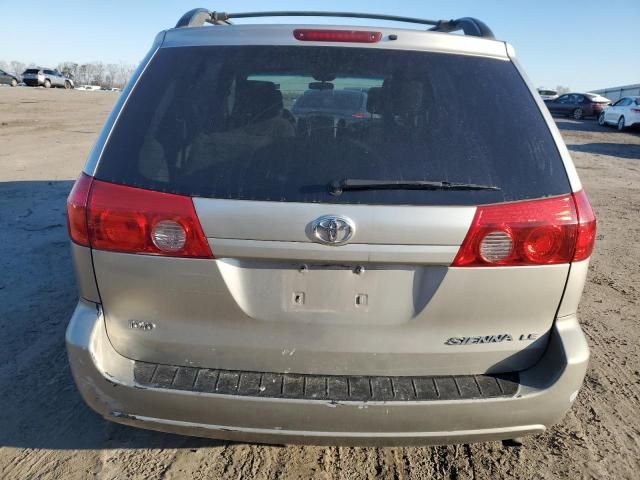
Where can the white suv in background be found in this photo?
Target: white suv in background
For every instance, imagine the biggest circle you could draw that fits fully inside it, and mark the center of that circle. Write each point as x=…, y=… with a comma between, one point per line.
x=624, y=113
x=547, y=94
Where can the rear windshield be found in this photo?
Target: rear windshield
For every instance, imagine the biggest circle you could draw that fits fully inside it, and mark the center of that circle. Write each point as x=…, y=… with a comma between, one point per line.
x=32, y=70
x=228, y=122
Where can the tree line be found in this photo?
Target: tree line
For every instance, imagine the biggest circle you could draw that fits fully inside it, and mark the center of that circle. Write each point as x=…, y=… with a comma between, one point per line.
x=107, y=75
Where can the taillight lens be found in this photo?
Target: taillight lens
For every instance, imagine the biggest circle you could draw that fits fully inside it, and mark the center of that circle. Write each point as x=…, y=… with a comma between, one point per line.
x=132, y=220
x=77, y=210
x=496, y=246
x=355, y=36
x=586, y=227
x=534, y=232
x=169, y=236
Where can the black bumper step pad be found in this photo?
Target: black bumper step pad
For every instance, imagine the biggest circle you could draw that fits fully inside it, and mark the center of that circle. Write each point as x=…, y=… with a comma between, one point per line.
x=326, y=387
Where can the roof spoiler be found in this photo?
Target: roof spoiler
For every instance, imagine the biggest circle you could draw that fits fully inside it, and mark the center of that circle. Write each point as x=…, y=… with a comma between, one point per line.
x=468, y=25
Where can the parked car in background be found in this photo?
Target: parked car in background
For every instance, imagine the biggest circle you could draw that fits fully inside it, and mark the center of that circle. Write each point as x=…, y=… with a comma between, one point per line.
x=8, y=79
x=46, y=77
x=340, y=106
x=90, y=88
x=624, y=113
x=578, y=105
x=547, y=94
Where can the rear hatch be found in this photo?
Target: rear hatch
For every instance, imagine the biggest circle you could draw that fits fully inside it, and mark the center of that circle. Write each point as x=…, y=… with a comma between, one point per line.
x=31, y=74
x=310, y=278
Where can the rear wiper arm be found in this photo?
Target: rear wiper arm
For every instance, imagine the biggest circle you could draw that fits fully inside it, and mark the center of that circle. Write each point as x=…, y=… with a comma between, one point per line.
x=353, y=184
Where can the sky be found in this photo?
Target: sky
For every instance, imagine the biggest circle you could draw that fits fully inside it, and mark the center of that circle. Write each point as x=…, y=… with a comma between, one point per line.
x=584, y=45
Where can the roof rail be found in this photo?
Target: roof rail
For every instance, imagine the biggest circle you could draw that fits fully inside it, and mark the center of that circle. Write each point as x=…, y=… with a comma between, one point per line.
x=469, y=26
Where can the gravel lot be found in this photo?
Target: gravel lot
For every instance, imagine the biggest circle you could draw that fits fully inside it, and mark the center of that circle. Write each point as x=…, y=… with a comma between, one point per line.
x=47, y=432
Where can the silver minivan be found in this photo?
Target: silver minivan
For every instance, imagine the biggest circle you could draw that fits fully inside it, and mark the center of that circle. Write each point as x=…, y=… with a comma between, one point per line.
x=411, y=277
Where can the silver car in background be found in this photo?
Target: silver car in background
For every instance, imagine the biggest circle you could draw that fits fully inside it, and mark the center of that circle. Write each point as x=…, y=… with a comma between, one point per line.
x=46, y=77
x=411, y=277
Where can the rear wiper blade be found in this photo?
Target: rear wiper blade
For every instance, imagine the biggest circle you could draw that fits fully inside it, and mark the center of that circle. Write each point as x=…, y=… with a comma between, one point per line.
x=353, y=184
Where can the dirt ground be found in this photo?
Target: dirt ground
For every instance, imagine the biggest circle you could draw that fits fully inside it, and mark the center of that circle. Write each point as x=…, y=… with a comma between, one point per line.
x=47, y=432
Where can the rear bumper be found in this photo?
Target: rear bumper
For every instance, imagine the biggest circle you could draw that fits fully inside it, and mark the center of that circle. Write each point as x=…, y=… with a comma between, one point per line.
x=633, y=119
x=106, y=382
x=33, y=83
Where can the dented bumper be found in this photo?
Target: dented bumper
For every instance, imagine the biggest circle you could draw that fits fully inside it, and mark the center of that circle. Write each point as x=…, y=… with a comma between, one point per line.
x=107, y=383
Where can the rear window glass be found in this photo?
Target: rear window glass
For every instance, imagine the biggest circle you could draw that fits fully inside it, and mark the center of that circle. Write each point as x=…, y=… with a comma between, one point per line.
x=282, y=123
x=32, y=70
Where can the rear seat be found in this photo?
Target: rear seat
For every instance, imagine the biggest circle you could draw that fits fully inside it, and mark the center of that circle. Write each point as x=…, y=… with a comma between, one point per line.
x=256, y=121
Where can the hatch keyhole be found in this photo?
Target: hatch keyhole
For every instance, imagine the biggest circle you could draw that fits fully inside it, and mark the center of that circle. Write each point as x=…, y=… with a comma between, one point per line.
x=298, y=298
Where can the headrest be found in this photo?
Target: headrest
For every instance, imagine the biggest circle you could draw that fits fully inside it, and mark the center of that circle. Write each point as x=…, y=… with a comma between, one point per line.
x=374, y=100
x=396, y=97
x=257, y=99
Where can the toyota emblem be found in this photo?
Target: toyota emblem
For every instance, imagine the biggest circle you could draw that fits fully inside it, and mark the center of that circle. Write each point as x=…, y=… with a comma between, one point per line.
x=333, y=230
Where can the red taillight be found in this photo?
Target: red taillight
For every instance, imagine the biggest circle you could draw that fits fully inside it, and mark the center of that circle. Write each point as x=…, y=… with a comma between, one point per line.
x=356, y=36
x=586, y=227
x=133, y=220
x=534, y=232
x=77, y=210
x=359, y=115
x=637, y=110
